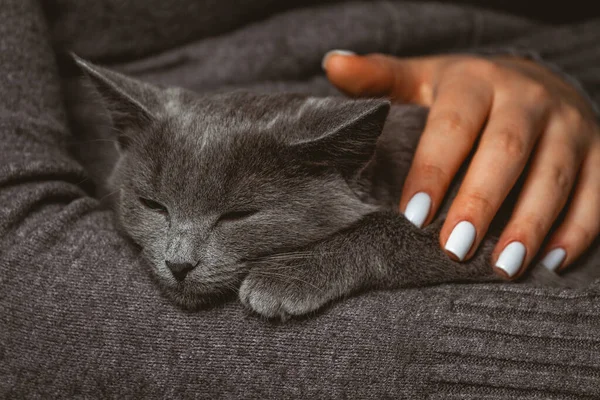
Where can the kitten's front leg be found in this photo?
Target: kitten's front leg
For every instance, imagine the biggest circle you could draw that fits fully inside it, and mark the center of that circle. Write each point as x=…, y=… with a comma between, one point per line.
x=382, y=250
x=296, y=283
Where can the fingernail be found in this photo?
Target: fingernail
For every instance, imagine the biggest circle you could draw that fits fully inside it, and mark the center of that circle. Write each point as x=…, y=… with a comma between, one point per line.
x=417, y=208
x=554, y=259
x=511, y=258
x=461, y=239
x=335, y=52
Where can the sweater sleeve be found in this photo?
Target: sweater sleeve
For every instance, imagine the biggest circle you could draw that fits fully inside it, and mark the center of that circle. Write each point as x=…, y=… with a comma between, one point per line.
x=39, y=189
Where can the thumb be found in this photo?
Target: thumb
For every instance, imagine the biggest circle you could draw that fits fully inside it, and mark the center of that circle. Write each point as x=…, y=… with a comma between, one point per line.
x=374, y=75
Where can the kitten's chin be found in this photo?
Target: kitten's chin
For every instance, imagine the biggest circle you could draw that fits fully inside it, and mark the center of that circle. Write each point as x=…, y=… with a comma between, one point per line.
x=194, y=296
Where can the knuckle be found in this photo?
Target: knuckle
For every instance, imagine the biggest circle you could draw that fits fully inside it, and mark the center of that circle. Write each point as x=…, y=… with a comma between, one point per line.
x=511, y=142
x=573, y=118
x=433, y=172
x=538, y=93
x=451, y=122
x=561, y=177
x=476, y=202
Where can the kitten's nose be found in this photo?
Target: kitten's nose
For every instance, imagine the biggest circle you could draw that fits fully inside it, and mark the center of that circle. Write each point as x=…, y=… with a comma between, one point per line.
x=179, y=270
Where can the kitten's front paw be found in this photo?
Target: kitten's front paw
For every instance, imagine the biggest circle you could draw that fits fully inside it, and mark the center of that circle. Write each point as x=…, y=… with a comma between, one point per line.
x=281, y=296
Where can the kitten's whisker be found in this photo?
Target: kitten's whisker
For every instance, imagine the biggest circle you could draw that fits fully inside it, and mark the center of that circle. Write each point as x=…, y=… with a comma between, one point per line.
x=225, y=272
x=75, y=142
x=296, y=255
x=290, y=253
x=108, y=195
x=284, y=278
x=285, y=269
x=281, y=267
x=87, y=178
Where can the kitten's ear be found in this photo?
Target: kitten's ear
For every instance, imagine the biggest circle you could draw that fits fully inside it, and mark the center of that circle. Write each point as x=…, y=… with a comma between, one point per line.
x=351, y=132
x=132, y=104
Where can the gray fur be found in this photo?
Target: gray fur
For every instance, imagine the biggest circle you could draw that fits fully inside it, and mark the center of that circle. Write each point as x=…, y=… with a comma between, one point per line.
x=319, y=179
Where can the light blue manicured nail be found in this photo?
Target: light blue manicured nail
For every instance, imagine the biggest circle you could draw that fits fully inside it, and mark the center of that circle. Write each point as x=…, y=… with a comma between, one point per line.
x=461, y=239
x=512, y=257
x=554, y=259
x=417, y=208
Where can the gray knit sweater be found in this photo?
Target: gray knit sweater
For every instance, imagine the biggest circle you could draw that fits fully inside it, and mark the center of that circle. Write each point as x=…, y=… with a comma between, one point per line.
x=79, y=314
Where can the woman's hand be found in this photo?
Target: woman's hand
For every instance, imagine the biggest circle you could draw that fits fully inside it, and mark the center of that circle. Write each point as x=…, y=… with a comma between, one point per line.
x=519, y=111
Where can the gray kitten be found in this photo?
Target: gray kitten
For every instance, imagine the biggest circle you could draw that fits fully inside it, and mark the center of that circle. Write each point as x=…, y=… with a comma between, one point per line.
x=292, y=199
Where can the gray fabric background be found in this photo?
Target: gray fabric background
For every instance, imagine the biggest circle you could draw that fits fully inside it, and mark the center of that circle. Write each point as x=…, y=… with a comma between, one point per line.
x=80, y=316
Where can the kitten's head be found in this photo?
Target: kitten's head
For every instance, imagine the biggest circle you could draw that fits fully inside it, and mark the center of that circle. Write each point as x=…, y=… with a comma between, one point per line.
x=207, y=183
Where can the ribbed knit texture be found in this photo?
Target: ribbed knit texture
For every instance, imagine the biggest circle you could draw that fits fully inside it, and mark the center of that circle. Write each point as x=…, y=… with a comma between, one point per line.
x=507, y=342
x=80, y=316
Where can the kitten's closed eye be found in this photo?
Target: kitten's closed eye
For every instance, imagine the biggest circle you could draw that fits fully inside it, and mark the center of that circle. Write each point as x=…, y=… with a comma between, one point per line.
x=236, y=215
x=153, y=205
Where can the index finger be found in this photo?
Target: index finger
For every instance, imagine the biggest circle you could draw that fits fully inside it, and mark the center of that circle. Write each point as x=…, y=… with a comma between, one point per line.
x=455, y=120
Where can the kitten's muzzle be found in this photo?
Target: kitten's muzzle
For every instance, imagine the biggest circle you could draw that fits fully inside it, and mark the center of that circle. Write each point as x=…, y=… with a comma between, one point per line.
x=179, y=270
